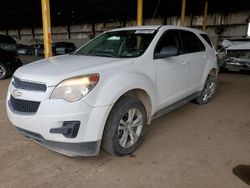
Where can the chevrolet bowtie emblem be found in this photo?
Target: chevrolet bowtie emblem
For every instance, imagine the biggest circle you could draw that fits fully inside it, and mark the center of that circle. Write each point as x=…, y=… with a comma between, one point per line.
x=16, y=93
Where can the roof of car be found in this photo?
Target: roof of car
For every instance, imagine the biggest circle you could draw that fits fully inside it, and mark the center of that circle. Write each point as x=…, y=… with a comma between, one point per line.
x=155, y=27
x=7, y=39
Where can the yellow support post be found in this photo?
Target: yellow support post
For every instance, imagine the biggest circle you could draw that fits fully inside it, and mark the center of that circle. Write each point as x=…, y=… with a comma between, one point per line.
x=183, y=12
x=205, y=16
x=139, y=12
x=46, y=28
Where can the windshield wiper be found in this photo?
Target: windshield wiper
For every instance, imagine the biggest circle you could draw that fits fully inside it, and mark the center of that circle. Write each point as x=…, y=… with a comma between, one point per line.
x=102, y=55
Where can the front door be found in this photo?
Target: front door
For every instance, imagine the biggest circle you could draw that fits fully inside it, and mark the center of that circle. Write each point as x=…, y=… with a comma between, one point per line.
x=171, y=72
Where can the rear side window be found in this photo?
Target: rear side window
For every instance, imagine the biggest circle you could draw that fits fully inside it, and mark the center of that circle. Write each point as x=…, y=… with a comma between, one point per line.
x=205, y=37
x=191, y=43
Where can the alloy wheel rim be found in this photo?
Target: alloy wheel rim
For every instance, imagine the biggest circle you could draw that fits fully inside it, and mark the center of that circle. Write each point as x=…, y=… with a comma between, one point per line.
x=208, y=91
x=2, y=72
x=130, y=128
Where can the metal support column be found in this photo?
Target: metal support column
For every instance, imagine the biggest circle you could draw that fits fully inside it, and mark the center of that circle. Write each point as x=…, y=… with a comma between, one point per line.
x=69, y=32
x=183, y=12
x=93, y=29
x=19, y=34
x=33, y=32
x=46, y=28
x=139, y=12
x=205, y=16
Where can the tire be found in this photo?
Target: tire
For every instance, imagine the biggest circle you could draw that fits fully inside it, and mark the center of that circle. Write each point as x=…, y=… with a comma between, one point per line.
x=3, y=71
x=208, y=91
x=120, y=137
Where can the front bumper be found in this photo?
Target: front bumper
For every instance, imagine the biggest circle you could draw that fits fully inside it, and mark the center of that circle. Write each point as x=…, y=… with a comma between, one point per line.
x=43, y=125
x=237, y=65
x=69, y=149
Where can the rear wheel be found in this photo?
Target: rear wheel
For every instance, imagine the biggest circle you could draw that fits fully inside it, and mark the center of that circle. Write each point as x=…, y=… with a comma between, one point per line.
x=3, y=71
x=208, y=91
x=125, y=127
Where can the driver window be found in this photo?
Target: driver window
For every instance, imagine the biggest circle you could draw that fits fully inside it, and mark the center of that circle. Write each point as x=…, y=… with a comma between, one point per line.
x=169, y=39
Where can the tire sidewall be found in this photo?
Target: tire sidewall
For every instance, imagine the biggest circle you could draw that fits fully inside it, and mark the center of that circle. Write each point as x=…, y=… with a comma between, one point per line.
x=117, y=116
x=6, y=72
x=210, y=79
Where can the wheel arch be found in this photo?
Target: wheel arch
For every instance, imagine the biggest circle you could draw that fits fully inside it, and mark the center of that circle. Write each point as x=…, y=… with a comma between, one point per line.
x=141, y=94
x=213, y=72
x=209, y=71
x=144, y=97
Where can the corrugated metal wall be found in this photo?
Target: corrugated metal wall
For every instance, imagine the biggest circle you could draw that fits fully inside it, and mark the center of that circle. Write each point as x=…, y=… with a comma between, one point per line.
x=233, y=25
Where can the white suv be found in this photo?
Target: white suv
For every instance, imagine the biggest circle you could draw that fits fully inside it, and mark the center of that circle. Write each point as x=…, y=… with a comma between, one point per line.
x=107, y=92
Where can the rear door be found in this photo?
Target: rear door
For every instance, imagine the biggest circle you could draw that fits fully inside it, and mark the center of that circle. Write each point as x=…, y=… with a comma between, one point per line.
x=194, y=53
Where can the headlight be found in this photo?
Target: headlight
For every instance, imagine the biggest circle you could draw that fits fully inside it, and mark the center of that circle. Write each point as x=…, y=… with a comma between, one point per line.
x=75, y=88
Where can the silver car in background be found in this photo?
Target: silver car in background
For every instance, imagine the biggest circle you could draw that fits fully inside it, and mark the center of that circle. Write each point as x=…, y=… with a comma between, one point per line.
x=235, y=55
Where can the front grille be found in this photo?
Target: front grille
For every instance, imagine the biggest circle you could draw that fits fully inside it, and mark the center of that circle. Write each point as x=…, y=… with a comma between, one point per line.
x=23, y=105
x=19, y=84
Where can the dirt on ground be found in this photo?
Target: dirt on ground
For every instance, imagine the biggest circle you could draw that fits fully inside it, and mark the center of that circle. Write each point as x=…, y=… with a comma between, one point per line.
x=191, y=147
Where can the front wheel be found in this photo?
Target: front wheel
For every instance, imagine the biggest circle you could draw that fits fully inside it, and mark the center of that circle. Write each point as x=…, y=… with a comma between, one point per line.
x=125, y=127
x=208, y=91
x=3, y=71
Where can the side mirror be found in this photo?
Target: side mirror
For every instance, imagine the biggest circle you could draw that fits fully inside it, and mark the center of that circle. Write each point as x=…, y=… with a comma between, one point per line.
x=165, y=52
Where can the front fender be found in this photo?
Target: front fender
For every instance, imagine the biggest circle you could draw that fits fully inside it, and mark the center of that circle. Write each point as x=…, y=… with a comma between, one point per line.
x=108, y=91
x=111, y=88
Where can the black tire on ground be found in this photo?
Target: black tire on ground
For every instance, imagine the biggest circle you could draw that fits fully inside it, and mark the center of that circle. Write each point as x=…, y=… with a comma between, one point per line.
x=208, y=91
x=121, y=136
x=3, y=71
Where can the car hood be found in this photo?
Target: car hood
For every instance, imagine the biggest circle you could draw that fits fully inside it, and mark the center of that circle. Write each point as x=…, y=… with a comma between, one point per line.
x=242, y=46
x=53, y=70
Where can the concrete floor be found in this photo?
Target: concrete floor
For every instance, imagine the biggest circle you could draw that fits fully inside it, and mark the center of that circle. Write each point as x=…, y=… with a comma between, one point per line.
x=191, y=147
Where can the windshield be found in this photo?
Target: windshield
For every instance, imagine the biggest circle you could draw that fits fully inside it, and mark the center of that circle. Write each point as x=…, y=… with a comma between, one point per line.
x=119, y=44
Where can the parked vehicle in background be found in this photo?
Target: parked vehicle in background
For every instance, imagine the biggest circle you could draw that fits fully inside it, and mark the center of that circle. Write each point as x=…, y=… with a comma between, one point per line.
x=235, y=54
x=37, y=49
x=9, y=62
x=61, y=48
x=8, y=43
x=24, y=49
x=106, y=93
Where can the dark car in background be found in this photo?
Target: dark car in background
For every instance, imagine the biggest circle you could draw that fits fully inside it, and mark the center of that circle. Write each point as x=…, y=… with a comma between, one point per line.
x=9, y=62
x=61, y=48
x=24, y=49
x=8, y=43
